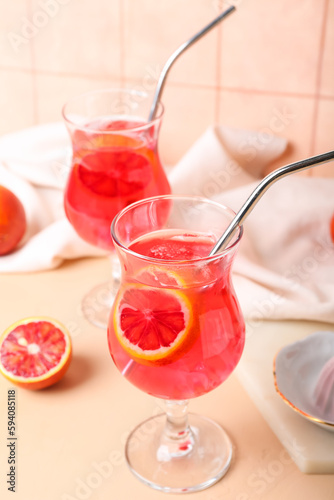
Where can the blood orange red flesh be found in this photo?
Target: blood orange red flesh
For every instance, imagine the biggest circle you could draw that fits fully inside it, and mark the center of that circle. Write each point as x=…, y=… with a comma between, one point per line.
x=35, y=352
x=154, y=326
x=13, y=222
x=115, y=173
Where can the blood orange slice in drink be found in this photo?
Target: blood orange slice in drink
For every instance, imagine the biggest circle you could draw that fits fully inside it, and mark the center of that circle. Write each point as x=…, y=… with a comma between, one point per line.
x=115, y=173
x=153, y=325
x=35, y=352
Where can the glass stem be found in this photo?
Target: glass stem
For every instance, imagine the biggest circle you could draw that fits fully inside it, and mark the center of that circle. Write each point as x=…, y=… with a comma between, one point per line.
x=177, y=439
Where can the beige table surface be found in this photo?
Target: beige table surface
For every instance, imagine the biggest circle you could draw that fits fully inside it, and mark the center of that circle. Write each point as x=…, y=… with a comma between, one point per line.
x=71, y=436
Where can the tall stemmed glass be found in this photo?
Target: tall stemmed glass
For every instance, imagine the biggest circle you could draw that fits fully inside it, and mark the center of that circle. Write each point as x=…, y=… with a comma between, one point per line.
x=176, y=332
x=115, y=162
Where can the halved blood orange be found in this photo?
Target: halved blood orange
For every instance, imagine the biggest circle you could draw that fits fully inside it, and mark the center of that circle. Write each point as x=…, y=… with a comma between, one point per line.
x=153, y=325
x=35, y=352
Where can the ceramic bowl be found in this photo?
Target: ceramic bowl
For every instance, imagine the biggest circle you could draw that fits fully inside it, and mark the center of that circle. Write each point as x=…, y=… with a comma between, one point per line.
x=297, y=370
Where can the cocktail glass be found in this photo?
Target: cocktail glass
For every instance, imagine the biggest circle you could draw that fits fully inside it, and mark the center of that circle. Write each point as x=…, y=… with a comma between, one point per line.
x=115, y=162
x=176, y=332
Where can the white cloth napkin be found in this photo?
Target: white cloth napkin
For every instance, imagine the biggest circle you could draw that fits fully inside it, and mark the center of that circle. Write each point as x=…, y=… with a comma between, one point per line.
x=34, y=164
x=285, y=265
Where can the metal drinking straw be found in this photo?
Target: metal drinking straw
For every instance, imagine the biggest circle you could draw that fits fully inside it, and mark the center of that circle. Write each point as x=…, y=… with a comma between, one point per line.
x=259, y=191
x=177, y=53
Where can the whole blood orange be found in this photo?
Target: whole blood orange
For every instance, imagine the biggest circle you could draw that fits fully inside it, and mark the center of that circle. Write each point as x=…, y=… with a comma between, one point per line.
x=35, y=352
x=154, y=326
x=12, y=221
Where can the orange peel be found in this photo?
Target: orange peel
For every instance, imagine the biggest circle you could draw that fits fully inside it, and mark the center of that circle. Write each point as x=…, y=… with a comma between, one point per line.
x=153, y=325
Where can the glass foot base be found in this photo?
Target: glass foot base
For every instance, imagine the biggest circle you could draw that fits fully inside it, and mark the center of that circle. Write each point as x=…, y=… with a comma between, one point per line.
x=194, y=466
x=96, y=305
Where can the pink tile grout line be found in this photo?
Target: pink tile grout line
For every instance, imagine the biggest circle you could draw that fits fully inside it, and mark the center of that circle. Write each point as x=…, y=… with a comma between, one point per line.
x=318, y=77
x=218, y=69
x=121, y=43
x=33, y=68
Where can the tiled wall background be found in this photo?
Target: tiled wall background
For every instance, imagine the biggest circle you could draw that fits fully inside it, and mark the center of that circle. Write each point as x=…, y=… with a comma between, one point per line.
x=270, y=58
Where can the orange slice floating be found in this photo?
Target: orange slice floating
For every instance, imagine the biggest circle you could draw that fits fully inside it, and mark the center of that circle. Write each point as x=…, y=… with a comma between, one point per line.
x=35, y=352
x=156, y=276
x=154, y=326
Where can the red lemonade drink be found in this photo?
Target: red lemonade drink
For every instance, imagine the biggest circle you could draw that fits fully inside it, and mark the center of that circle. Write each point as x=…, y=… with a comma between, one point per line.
x=109, y=172
x=176, y=329
x=115, y=159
